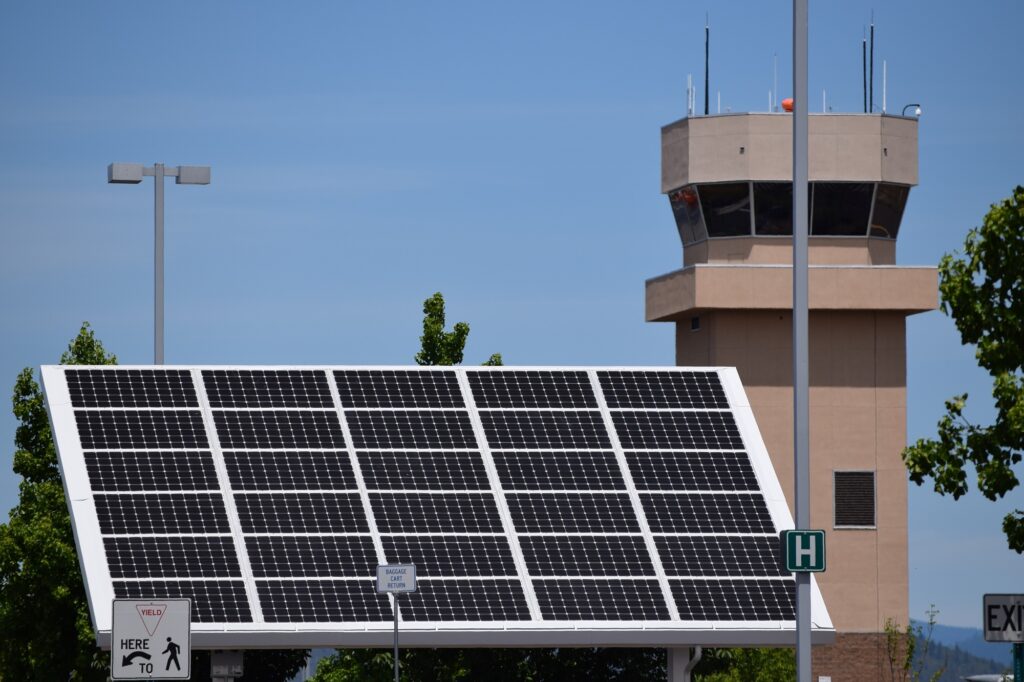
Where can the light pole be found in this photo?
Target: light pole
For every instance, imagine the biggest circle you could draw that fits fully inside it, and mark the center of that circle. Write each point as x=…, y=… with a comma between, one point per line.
x=132, y=174
x=917, y=109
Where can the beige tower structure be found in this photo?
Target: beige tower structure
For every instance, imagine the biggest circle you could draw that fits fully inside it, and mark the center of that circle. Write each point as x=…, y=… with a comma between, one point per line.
x=729, y=181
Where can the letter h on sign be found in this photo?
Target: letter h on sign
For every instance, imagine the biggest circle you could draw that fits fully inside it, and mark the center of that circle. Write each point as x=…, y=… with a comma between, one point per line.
x=803, y=550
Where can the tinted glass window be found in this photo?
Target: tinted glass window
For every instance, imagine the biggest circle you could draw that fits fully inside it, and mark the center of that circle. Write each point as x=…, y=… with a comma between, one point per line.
x=841, y=208
x=889, y=203
x=726, y=208
x=686, y=209
x=773, y=208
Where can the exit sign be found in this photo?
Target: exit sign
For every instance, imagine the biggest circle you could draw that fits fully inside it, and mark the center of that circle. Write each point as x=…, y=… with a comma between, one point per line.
x=803, y=550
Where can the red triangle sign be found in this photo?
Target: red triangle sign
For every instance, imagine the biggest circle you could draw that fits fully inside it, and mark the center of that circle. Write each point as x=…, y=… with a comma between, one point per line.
x=151, y=615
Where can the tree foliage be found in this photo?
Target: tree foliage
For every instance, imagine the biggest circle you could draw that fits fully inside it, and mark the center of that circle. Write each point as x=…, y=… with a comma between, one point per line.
x=439, y=347
x=746, y=665
x=983, y=291
x=907, y=650
x=45, y=628
x=495, y=665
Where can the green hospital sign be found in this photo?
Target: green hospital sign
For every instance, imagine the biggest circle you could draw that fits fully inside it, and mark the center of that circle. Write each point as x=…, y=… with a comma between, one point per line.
x=804, y=550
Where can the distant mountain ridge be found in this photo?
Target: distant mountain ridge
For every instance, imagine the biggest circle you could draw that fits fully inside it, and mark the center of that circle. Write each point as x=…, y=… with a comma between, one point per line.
x=971, y=640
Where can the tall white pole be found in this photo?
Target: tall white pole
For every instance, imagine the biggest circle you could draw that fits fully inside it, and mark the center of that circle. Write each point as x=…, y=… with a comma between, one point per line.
x=158, y=264
x=801, y=431
x=396, y=636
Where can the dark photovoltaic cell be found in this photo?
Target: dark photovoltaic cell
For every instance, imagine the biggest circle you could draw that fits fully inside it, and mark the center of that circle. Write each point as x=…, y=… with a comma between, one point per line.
x=301, y=513
x=172, y=557
x=709, y=555
x=161, y=513
x=572, y=513
x=131, y=388
x=390, y=470
x=666, y=470
x=398, y=388
x=538, y=470
x=316, y=470
x=213, y=601
x=531, y=388
x=540, y=430
x=602, y=555
x=311, y=556
x=150, y=470
x=707, y=513
x=734, y=599
x=690, y=430
x=433, y=513
x=662, y=390
x=462, y=600
x=322, y=601
x=126, y=430
x=594, y=599
x=413, y=429
x=267, y=388
x=452, y=555
x=279, y=429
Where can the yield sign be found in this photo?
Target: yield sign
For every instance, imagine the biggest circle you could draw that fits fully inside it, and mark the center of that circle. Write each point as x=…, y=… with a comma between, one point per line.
x=151, y=615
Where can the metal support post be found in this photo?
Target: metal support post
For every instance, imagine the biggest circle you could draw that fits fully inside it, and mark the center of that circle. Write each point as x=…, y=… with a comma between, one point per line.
x=681, y=663
x=801, y=394
x=396, y=637
x=1018, y=662
x=158, y=264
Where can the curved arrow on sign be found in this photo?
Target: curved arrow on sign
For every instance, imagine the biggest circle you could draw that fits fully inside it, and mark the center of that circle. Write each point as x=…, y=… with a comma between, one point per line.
x=127, y=660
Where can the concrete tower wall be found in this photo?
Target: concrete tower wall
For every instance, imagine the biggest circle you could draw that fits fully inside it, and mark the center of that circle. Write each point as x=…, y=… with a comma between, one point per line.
x=732, y=305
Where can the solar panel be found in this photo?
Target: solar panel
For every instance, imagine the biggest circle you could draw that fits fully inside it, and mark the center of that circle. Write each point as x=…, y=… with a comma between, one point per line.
x=541, y=506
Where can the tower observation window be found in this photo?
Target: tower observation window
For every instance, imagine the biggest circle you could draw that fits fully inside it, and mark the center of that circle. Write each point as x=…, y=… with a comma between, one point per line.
x=841, y=208
x=726, y=208
x=773, y=208
x=890, y=200
x=686, y=209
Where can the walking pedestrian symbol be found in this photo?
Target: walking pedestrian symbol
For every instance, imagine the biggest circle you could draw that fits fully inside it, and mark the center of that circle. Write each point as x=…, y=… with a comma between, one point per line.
x=172, y=651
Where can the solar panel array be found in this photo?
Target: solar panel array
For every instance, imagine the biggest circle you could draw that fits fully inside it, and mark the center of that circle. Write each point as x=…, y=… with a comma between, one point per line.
x=524, y=496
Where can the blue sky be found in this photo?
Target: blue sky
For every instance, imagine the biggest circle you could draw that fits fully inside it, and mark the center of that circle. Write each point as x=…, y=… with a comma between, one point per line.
x=366, y=155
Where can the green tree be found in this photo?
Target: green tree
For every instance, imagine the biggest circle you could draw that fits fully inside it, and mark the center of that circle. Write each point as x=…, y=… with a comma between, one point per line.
x=907, y=650
x=983, y=291
x=438, y=347
x=746, y=665
x=45, y=629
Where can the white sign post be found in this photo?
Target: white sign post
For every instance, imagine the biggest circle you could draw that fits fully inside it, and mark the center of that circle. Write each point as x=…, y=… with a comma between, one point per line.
x=396, y=578
x=151, y=639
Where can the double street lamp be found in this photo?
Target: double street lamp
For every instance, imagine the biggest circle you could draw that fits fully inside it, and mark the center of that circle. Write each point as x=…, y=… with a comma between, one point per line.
x=132, y=174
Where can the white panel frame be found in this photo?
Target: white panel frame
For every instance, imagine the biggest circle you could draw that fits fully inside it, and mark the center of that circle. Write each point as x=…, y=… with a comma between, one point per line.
x=530, y=633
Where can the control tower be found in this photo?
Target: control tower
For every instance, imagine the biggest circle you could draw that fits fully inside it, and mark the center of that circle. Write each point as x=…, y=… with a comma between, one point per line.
x=729, y=181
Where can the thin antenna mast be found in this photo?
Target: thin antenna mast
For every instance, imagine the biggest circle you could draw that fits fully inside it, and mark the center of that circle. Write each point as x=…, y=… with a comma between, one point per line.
x=773, y=100
x=871, y=74
x=883, y=85
x=864, y=67
x=707, y=41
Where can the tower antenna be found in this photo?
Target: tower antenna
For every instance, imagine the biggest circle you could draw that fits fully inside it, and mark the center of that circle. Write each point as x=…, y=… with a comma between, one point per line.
x=871, y=75
x=864, y=65
x=707, y=40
